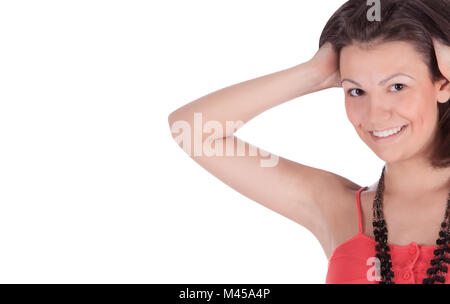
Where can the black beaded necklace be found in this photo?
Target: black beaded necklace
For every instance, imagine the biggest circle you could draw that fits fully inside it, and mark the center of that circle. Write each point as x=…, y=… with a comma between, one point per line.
x=436, y=273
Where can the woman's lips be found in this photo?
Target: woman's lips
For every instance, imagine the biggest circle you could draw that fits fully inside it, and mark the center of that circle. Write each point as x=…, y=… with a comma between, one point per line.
x=390, y=137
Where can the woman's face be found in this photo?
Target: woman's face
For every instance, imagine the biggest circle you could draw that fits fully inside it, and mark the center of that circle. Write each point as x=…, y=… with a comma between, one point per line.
x=377, y=100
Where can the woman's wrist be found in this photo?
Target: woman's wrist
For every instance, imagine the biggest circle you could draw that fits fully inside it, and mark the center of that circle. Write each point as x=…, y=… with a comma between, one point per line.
x=310, y=78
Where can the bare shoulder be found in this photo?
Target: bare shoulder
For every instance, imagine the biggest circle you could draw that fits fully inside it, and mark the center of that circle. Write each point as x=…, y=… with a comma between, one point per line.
x=337, y=202
x=343, y=220
x=312, y=197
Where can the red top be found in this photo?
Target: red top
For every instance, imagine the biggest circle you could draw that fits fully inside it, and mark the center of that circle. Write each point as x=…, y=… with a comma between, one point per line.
x=353, y=262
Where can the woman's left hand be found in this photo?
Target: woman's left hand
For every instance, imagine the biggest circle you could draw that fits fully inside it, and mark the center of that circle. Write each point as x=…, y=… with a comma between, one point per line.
x=443, y=57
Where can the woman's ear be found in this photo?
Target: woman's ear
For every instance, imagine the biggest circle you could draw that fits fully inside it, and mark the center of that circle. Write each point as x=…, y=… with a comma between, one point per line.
x=443, y=87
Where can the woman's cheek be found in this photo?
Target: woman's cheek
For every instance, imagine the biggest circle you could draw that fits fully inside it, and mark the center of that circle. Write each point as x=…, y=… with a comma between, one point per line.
x=353, y=111
x=411, y=104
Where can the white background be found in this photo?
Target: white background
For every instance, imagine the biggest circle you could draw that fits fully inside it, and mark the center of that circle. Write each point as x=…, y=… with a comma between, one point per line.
x=93, y=189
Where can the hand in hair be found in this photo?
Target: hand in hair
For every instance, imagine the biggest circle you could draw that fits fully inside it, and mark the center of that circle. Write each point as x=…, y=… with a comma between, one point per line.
x=326, y=63
x=443, y=57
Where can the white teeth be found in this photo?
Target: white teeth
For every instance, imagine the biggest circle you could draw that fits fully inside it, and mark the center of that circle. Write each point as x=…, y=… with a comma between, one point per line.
x=387, y=133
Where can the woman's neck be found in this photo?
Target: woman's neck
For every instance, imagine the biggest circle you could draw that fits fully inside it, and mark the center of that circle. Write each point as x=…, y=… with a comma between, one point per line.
x=414, y=178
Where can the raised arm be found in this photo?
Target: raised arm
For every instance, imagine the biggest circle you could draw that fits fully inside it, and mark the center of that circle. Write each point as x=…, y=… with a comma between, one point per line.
x=245, y=100
x=291, y=189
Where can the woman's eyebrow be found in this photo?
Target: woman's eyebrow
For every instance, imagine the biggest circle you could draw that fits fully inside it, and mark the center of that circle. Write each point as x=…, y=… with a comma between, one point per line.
x=382, y=81
x=393, y=76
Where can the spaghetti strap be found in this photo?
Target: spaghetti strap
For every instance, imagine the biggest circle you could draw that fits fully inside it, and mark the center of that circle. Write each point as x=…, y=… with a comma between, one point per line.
x=358, y=204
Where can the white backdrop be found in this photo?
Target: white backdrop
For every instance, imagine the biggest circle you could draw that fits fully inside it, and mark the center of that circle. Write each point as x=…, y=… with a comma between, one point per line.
x=93, y=189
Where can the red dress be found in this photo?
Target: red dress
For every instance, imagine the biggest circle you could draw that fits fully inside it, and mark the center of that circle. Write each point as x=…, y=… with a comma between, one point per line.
x=353, y=262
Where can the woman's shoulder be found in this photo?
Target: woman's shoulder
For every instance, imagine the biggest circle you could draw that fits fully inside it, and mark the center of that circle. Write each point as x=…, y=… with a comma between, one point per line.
x=343, y=219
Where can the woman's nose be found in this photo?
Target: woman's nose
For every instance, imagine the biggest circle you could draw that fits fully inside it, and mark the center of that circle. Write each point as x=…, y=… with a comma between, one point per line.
x=378, y=110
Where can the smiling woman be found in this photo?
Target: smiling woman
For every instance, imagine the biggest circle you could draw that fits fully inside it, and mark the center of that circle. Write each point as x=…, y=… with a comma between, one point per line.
x=397, y=99
x=407, y=98
x=370, y=50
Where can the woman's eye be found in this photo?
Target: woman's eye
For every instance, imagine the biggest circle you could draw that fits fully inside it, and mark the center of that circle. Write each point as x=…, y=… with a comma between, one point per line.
x=358, y=92
x=397, y=87
x=355, y=92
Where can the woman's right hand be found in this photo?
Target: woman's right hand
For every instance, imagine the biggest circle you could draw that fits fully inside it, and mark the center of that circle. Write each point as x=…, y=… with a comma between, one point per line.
x=325, y=62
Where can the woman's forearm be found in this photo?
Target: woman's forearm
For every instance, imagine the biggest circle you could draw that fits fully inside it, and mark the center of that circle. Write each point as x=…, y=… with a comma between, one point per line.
x=245, y=100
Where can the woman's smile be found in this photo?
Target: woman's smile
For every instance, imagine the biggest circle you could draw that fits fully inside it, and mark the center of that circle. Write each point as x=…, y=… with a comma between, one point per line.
x=388, y=138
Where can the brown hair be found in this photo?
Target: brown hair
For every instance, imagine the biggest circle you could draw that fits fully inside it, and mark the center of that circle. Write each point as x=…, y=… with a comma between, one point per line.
x=414, y=21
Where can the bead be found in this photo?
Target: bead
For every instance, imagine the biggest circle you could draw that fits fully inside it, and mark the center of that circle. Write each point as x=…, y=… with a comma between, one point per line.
x=438, y=263
x=440, y=279
x=437, y=251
